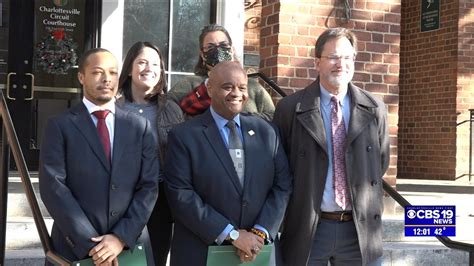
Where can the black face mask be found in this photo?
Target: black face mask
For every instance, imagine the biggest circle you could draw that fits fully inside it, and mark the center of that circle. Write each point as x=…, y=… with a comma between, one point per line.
x=217, y=55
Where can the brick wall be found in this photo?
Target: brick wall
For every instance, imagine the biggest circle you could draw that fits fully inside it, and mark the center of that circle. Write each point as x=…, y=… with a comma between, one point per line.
x=428, y=104
x=253, y=17
x=464, y=87
x=288, y=32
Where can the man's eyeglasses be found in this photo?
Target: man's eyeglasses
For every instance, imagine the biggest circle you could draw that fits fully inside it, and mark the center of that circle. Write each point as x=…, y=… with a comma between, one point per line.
x=336, y=58
x=211, y=46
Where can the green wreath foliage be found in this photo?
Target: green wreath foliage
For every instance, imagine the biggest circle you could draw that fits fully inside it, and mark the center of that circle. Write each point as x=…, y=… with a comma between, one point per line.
x=56, y=53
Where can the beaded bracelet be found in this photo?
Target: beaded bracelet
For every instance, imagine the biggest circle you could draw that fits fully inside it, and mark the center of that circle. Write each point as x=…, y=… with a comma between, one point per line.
x=259, y=233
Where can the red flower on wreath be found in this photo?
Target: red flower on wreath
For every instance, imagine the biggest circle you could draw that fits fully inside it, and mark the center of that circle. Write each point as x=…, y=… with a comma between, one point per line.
x=58, y=34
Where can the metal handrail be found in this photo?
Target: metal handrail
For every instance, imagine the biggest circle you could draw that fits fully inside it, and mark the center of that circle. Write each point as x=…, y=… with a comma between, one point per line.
x=471, y=139
x=9, y=129
x=446, y=241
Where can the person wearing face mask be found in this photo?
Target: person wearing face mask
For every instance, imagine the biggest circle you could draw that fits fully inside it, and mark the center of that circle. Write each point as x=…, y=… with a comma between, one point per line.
x=191, y=91
x=142, y=85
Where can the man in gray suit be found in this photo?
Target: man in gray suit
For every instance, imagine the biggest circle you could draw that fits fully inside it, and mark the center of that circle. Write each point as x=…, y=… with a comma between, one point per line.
x=98, y=174
x=227, y=175
x=336, y=138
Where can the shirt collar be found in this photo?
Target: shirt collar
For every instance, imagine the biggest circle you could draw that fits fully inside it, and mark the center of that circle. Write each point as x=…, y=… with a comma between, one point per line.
x=91, y=107
x=326, y=96
x=221, y=121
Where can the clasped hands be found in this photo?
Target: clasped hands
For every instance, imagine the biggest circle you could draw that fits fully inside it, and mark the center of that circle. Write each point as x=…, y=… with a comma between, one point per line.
x=105, y=253
x=248, y=245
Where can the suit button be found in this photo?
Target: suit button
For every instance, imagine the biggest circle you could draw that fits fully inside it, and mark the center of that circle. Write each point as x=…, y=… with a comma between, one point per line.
x=113, y=213
x=113, y=187
x=369, y=148
x=244, y=203
x=374, y=183
x=302, y=153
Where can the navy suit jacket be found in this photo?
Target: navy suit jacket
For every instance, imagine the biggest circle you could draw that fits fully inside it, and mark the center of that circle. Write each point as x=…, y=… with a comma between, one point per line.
x=204, y=191
x=85, y=195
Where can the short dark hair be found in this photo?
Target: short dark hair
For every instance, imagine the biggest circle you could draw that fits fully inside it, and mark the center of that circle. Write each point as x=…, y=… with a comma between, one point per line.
x=125, y=80
x=200, y=69
x=85, y=56
x=334, y=33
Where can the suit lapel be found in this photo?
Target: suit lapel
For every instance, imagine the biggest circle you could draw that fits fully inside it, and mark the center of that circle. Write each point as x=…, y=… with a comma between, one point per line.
x=251, y=146
x=361, y=114
x=120, y=133
x=218, y=146
x=309, y=114
x=82, y=120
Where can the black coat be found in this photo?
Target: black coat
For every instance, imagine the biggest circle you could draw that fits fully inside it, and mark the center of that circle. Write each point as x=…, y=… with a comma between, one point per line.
x=367, y=158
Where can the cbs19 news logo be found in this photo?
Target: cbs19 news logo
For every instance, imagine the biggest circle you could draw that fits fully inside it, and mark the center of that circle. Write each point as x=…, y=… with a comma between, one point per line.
x=430, y=221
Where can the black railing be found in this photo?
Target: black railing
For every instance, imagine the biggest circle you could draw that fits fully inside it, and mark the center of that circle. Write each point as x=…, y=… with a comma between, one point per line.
x=10, y=140
x=471, y=139
x=390, y=190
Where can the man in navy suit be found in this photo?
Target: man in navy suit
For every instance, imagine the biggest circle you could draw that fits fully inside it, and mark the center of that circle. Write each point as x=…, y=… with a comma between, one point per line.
x=214, y=198
x=99, y=193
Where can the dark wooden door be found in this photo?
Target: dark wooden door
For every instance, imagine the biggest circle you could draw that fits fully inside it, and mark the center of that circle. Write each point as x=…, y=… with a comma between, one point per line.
x=45, y=40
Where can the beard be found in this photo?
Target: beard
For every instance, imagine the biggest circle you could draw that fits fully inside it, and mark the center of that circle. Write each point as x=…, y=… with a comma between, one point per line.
x=104, y=98
x=340, y=81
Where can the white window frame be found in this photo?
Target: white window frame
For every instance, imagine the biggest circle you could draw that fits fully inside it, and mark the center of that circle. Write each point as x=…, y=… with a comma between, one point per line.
x=230, y=14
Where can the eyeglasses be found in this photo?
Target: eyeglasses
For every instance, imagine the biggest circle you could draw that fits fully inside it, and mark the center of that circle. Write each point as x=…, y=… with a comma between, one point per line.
x=336, y=58
x=211, y=46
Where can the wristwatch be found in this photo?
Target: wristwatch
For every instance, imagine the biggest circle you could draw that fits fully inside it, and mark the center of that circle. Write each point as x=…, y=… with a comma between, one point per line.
x=233, y=235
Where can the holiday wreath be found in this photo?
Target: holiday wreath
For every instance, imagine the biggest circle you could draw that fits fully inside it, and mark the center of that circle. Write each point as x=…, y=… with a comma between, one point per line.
x=56, y=53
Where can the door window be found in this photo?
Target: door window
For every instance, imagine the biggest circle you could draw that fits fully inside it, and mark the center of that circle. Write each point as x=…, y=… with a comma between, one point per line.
x=173, y=25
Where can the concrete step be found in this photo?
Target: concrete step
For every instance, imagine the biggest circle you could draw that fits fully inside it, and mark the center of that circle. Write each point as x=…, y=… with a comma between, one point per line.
x=22, y=233
x=422, y=254
x=459, y=186
x=24, y=257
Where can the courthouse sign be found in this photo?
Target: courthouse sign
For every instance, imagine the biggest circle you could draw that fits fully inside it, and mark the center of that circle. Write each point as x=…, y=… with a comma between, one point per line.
x=59, y=35
x=429, y=15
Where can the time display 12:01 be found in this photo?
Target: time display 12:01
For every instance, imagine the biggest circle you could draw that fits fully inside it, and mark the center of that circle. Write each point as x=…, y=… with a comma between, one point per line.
x=421, y=231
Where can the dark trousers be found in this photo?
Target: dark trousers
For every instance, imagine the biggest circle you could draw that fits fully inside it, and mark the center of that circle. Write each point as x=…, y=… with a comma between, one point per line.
x=335, y=242
x=160, y=228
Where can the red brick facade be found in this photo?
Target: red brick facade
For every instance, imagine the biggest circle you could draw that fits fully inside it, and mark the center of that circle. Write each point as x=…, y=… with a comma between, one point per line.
x=464, y=86
x=435, y=93
x=288, y=32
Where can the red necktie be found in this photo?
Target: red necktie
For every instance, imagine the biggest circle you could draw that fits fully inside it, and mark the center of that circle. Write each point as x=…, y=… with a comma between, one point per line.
x=339, y=161
x=103, y=131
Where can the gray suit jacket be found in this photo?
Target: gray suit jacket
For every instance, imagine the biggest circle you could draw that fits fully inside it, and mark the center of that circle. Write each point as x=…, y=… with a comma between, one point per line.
x=204, y=191
x=86, y=196
x=367, y=157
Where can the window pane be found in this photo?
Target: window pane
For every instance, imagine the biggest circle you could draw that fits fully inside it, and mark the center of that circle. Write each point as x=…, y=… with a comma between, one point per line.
x=189, y=16
x=146, y=20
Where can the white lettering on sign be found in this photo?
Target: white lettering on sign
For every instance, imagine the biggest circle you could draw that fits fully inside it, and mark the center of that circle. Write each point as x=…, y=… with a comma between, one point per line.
x=59, y=17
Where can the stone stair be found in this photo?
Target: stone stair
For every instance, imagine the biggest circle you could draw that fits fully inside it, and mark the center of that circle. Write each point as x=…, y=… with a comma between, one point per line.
x=23, y=246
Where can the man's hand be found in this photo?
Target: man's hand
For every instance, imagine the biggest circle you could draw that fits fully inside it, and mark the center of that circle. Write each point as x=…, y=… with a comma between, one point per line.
x=244, y=257
x=106, y=252
x=249, y=245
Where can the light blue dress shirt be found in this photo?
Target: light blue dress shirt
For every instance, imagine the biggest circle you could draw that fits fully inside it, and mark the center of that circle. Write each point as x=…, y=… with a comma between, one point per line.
x=328, y=203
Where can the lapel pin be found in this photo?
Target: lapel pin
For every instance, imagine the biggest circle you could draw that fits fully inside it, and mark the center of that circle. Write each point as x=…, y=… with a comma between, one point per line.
x=251, y=132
